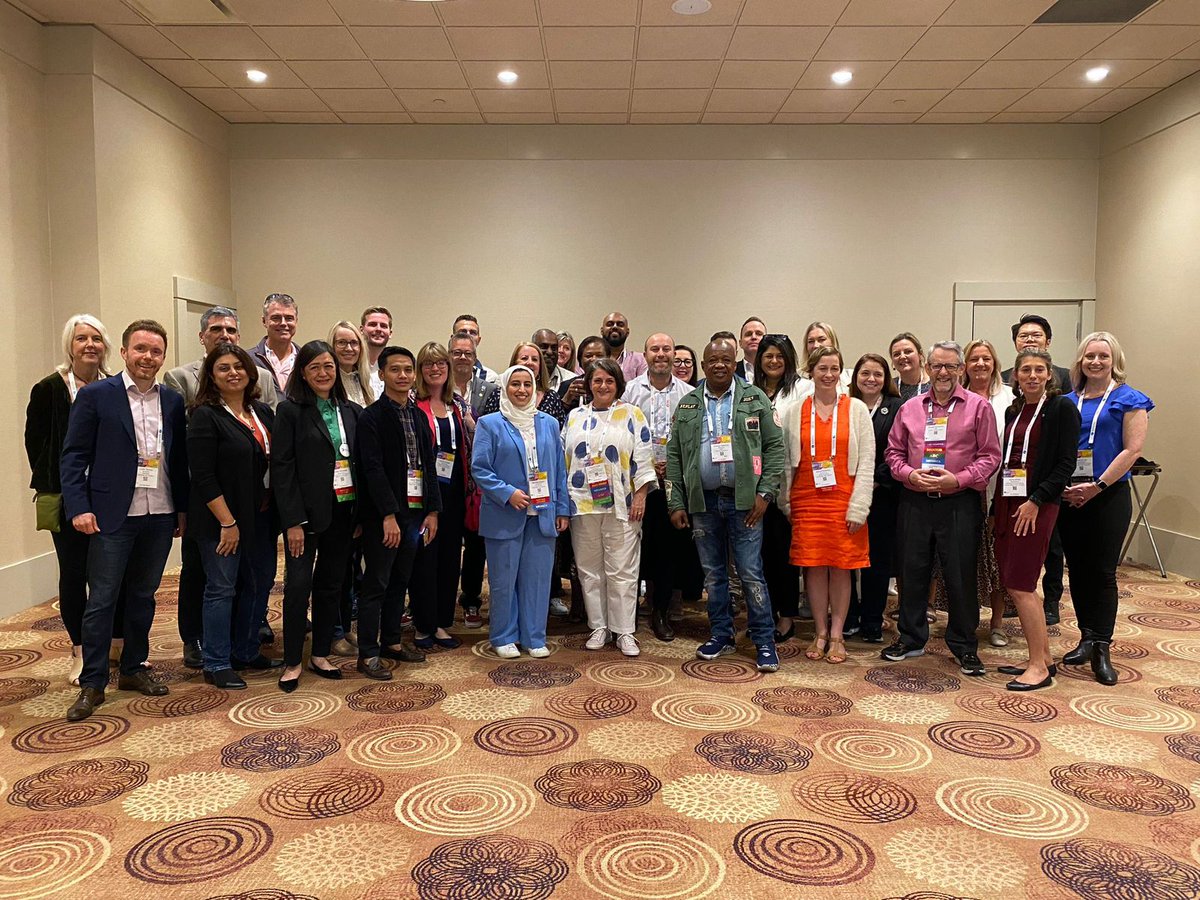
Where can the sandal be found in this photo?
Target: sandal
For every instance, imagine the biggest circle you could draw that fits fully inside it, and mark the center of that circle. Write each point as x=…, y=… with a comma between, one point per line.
x=817, y=648
x=837, y=652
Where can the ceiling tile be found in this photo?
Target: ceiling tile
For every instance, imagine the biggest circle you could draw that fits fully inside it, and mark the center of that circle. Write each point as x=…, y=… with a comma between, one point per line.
x=496, y=43
x=221, y=99
x=444, y=118
x=891, y=12
x=233, y=73
x=1166, y=73
x=738, y=118
x=866, y=74
x=498, y=118
x=1148, y=41
x=293, y=12
x=311, y=42
x=375, y=118
x=759, y=42
x=425, y=101
x=574, y=12
x=514, y=101
x=186, y=73
x=856, y=42
x=1171, y=12
x=809, y=118
x=385, y=12
x=669, y=100
x=255, y=117
x=143, y=41
x=1057, y=99
x=933, y=117
x=591, y=74
x=338, y=73
x=218, y=41
x=588, y=43
x=592, y=118
x=760, y=73
x=991, y=12
x=746, y=101
x=1119, y=99
x=823, y=101
x=403, y=43
x=299, y=117
x=963, y=42
x=360, y=99
x=792, y=12
x=681, y=42
x=1120, y=71
x=489, y=12
x=1055, y=41
x=928, y=74
x=1192, y=52
x=986, y=100
x=695, y=73
x=85, y=12
x=422, y=74
x=1026, y=118
x=531, y=74
x=1086, y=118
x=591, y=101
x=723, y=12
x=880, y=101
x=882, y=118
x=283, y=99
x=664, y=118
x=1026, y=73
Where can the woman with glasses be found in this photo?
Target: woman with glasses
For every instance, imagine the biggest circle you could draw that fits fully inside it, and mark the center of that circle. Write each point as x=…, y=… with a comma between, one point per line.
x=685, y=364
x=353, y=368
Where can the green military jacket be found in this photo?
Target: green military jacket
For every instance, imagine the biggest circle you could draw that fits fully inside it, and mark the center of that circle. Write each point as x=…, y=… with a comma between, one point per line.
x=757, y=449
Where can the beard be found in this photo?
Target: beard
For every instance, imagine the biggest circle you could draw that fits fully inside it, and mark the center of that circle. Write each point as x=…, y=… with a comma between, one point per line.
x=614, y=339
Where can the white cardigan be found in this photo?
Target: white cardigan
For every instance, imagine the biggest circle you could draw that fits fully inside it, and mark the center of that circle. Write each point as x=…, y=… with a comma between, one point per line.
x=861, y=461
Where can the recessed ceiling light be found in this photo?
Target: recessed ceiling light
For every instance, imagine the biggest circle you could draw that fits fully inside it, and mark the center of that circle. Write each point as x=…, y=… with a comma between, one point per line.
x=691, y=7
x=1099, y=73
x=508, y=76
x=842, y=76
x=258, y=76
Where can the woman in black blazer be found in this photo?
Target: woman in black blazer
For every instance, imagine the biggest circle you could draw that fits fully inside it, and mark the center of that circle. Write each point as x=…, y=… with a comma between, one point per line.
x=1041, y=431
x=229, y=448
x=313, y=477
x=86, y=346
x=872, y=384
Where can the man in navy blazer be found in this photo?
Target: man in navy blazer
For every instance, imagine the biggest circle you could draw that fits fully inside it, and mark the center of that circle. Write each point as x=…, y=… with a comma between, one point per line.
x=125, y=483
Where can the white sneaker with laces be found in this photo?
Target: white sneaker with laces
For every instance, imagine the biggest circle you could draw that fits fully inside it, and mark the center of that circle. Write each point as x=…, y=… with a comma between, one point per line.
x=539, y=652
x=628, y=645
x=507, y=651
x=597, y=640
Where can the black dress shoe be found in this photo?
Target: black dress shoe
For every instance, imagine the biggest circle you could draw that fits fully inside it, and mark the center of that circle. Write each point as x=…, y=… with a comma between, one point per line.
x=142, y=682
x=85, y=704
x=261, y=663
x=404, y=654
x=227, y=679
x=448, y=643
x=1051, y=610
x=1081, y=654
x=1014, y=670
x=781, y=636
x=1015, y=685
x=373, y=668
x=266, y=635
x=331, y=674
x=1102, y=666
x=660, y=623
x=193, y=656
x=287, y=685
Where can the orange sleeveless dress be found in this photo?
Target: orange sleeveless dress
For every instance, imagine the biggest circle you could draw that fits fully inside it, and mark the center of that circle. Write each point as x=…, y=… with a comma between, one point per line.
x=819, y=535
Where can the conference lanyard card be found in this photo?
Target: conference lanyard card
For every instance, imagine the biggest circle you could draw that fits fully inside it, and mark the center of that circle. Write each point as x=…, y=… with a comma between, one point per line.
x=1015, y=482
x=935, y=429
x=416, y=488
x=934, y=458
x=824, y=475
x=343, y=481
x=147, y=473
x=444, y=465
x=660, y=449
x=722, y=448
x=599, y=484
x=539, y=489
x=1083, y=465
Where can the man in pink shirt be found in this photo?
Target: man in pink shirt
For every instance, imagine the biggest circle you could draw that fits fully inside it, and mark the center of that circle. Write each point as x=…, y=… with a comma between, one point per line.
x=943, y=448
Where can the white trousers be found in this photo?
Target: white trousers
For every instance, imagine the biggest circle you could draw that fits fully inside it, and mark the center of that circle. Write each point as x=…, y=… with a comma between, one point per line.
x=608, y=553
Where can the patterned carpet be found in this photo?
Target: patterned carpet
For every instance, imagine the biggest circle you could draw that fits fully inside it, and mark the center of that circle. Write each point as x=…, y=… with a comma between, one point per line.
x=592, y=775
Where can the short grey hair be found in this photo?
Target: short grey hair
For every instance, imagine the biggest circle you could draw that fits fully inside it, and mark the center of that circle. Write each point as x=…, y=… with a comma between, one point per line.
x=953, y=346
x=285, y=300
x=216, y=312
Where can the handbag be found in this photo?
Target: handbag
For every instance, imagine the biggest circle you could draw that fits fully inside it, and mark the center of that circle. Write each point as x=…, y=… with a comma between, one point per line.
x=48, y=511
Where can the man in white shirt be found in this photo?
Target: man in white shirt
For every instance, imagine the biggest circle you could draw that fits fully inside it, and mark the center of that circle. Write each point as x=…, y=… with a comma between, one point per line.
x=752, y=333
x=470, y=325
x=277, y=351
x=376, y=323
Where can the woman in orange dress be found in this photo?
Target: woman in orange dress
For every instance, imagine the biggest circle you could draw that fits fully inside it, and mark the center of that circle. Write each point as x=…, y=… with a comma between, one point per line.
x=831, y=461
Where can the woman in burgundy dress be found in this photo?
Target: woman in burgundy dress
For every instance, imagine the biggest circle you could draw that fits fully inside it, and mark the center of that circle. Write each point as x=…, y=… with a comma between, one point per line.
x=1041, y=430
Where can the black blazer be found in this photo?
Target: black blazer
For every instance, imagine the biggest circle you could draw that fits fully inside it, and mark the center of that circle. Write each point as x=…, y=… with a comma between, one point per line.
x=383, y=463
x=45, y=430
x=302, y=458
x=1051, y=468
x=881, y=421
x=226, y=461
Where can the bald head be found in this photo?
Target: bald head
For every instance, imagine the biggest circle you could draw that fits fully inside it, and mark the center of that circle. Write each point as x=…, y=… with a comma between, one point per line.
x=660, y=358
x=546, y=340
x=615, y=331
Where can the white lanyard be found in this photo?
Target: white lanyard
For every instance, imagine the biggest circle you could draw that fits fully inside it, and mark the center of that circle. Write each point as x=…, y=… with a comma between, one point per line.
x=1096, y=418
x=159, y=442
x=712, y=426
x=875, y=408
x=949, y=410
x=661, y=410
x=453, y=433
x=73, y=389
x=344, y=449
x=1012, y=433
x=258, y=422
x=531, y=453
x=812, y=431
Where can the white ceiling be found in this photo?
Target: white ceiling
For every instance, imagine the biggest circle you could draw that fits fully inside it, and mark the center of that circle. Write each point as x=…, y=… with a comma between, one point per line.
x=619, y=61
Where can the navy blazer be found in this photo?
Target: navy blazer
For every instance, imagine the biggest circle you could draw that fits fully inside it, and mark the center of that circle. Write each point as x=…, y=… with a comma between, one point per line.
x=498, y=466
x=100, y=455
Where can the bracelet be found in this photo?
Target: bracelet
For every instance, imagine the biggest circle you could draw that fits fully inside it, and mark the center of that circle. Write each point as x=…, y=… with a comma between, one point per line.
x=230, y=525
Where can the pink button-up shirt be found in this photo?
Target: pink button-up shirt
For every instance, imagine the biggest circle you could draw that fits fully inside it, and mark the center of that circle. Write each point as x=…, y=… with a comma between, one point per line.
x=972, y=444
x=146, y=409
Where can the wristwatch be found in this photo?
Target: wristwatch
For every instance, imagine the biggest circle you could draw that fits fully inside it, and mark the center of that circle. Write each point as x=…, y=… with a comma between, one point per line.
x=1100, y=485
x=767, y=495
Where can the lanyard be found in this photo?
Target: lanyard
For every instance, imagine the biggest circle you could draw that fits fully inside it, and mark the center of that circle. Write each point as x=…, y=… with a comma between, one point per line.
x=875, y=408
x=531, y=453
x=660, y=409
x=949, y=410
x=344, y=447
x=595, y=427
x=1012, y=433
x=258, y=424
x=712, y=426
x=159, y=442
x=453, y=433
x=1096, y=418
x=812, y=430
x=73, y=388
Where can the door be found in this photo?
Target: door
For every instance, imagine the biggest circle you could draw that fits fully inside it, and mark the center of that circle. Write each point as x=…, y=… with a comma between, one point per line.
x=993, y=321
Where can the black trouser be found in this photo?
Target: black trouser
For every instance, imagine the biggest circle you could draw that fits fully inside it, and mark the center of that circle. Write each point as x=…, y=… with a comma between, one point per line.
x=384, y=584
x=190, y=615
x=783, y=579
x=71, y=550
x=664, y=550
x=322, y=579
x=881, y=532
x=436, y=568
x=351, y=586
x=1052, y=578
x=1091, y=537
x=948, y=527
x=473, y=557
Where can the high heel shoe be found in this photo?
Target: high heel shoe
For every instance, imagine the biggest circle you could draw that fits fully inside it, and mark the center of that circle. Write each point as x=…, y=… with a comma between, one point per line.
x=816, y=650
x=331, y=674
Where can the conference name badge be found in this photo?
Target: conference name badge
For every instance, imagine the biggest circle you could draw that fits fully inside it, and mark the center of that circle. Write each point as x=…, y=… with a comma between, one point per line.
x=416, y=489
x=539, y=489
x=599, y=484
x=1083, y=464
x=343, y=481
x=147, y=473
x=934, y=458
x=444, y=465
x=1015, y=482
x=722, y=448
x=824, y=475
x=935, y=429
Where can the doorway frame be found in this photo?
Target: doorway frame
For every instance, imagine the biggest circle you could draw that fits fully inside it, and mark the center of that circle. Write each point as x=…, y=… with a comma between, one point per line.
x=968, y=293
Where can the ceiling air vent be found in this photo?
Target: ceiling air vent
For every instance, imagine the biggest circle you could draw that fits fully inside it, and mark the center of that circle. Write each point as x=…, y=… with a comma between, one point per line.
x=1090, y=12
x=186, y=12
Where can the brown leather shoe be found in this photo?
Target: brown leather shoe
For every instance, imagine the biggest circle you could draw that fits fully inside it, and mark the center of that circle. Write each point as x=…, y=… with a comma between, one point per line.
x=85, y=704
x=404, y=654
x=142, y=682
x=373, y=668
x=660, y=622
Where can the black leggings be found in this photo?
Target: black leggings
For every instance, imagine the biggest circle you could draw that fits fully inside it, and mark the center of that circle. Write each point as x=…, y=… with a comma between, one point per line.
x=1091, y=537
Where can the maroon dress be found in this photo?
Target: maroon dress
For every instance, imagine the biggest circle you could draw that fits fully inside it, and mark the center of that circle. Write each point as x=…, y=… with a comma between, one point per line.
x=1020, y=558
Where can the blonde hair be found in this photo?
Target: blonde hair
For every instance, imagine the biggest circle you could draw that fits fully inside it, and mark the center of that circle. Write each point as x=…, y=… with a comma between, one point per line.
x=543, y=376
x=1078, y=379
x=995, y=383
x=434, y=352
x=362, y=368
x=68, y=338
x=829, y=333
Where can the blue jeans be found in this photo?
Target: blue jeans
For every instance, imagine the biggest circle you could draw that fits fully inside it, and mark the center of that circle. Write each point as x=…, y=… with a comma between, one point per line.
x=235, y=593
x=135, y=554
x=720, y=528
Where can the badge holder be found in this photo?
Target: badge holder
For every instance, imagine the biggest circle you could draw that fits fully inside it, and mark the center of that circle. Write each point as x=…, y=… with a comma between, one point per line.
x=539, y=489
x=416, y=489
x=599, y=484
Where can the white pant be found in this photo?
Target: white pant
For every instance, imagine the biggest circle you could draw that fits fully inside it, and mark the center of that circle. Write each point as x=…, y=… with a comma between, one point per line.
x=608, y=553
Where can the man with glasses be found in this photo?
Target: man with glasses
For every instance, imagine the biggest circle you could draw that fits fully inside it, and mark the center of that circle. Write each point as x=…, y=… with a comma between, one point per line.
x=943, y=448
x=471, y=391
x=277, y=351
x=469, y=324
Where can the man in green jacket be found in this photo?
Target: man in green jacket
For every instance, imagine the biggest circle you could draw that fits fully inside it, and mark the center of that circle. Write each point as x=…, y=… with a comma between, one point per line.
x=724, y=465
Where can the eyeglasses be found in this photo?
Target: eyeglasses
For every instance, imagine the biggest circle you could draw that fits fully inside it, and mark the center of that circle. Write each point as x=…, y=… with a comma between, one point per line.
x=945, y=367
x=1030, y=335
x=434, y=364
x=682, y=363
x=463, y=354
x=347, y=345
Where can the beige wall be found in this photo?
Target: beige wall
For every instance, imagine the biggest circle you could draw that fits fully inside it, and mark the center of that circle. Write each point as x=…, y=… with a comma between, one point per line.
x=1148, y=282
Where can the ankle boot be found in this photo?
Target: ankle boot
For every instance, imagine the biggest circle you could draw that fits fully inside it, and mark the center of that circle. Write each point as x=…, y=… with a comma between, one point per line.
x=1051, y=611
x=1082, y=652
x=1102, y=666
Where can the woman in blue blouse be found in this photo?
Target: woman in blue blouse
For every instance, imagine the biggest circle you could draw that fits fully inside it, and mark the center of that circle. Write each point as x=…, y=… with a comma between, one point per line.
x=1097, y=506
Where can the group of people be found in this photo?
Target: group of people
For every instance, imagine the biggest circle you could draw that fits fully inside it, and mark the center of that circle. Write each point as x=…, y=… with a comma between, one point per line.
x=391, y=474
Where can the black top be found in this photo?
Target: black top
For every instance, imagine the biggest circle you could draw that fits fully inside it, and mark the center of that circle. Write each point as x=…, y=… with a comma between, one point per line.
x=881, y=421
x=382, y=455
x=226, y=461
x=1051, y=468
x=551, y=404
x=302, y=459
x=45, y=429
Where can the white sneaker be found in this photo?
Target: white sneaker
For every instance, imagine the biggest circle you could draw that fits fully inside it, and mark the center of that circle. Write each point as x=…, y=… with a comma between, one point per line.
x=507, y=651
x=76, y=666
x=598, y=639
x=539, y=652
x=628, y=645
